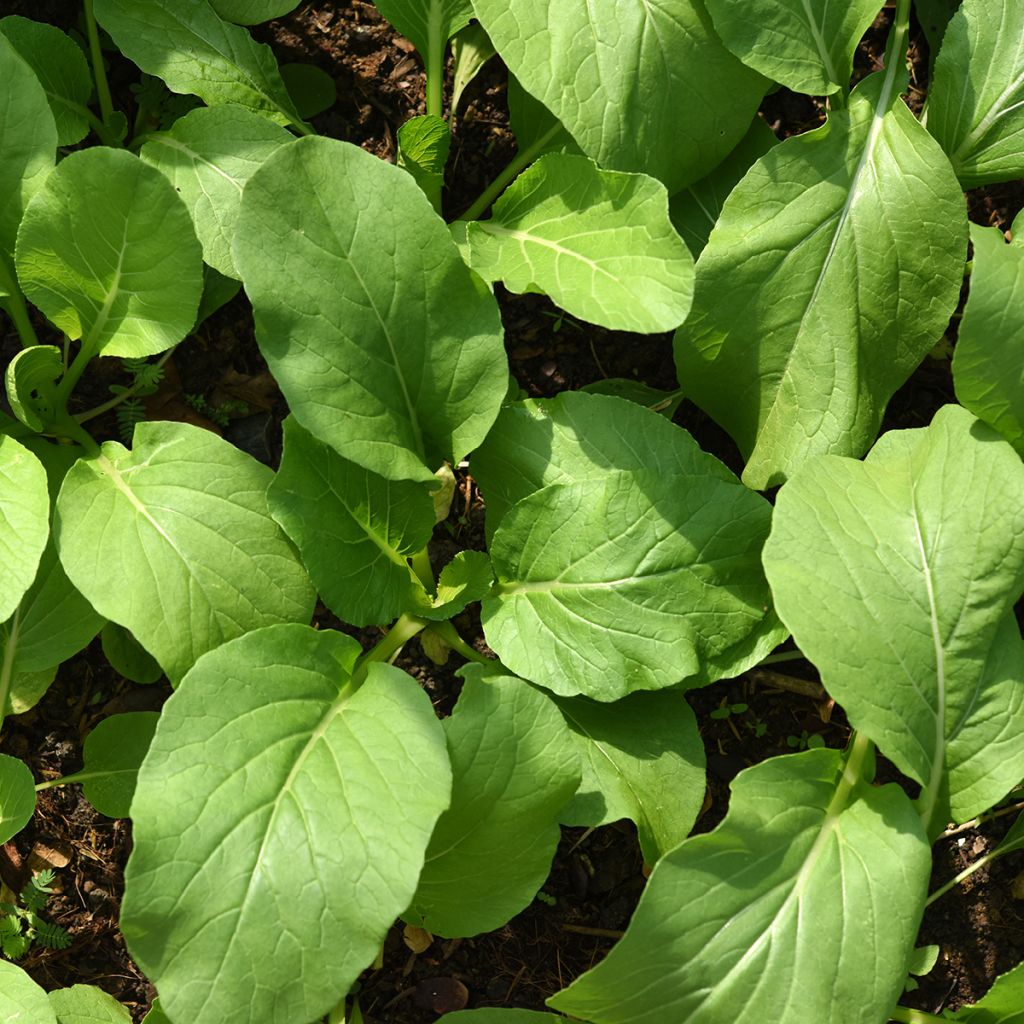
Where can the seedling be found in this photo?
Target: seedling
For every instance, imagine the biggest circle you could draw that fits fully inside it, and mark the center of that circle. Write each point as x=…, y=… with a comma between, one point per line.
x=21, y=925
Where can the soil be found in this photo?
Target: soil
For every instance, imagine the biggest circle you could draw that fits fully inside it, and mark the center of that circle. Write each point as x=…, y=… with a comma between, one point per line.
x=217, y=378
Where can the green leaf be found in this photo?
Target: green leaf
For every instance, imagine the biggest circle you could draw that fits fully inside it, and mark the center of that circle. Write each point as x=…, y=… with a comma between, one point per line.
x=188, y=45
x=805, y=47
x=312, y=90
x=536, y=129
x=842, y=252
x=428, y=25
x=127, y=656
x=156, y=1014
x=423, y=144
x=988, y=361
x=62, y=70
x=1014, y=839
x=599, y=243
x=29, y=380
x=514, y=766
x=273, y=792
x=663, y=402
x=21, y=999
x=976, y=99
x=499, y=1015
x=898, y=578
x=933, y=17
x=643, y=759
x=806, y=898
x=1002, y=1004
x=618, y=74
x=252, y=12
x=630, y=582
x=52, y=622
x=468, y=577
x=87, y=1004
x=218, y=290
x=174, y=541
x=354, y=529
x=384, y=343
x=695, y=210
x=24, y=522
x=471, y=50
x=28, y=141
x=112, y=754
x=107, y=251
x=208, y=155
x=17, y=802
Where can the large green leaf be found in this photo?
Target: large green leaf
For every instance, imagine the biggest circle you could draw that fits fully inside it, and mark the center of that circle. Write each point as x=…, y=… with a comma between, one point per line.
x=802, y=905
x=252, y=12
x=643, y=759
x=428, y=24
x=640, y=86
x=62, y=70
x=280, y=824
x=107, y=251
x=833, y=269
x=174, y=541
x=209, y=155
x=17, y=797
x=112, y=754
x=988, y=362
x=188, y=45
x=514, y=767
x=805, y=47
x=1003, y=1003
x=52, y=622
x=976, y=100
x=599, y=243
x=499, y=1015
x=583, y=438
x=28, y=142
x=354, y=529
x=385, y=344
x=24, y=522
x=898, y=578
x=933, y=17
x=87, y=1004
x=21, y=999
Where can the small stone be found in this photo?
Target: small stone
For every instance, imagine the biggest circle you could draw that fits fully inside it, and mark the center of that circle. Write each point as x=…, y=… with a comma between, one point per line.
x=417, y=939
x=442, y=995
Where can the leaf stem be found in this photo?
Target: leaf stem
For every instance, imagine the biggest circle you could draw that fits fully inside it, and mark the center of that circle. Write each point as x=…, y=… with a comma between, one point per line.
x=963, y=875
x=521, y=160
x=896, y=46
x=450, y=635
x=113, y=403
x=908, y=1015
x=774, y=659
x=73, y=374
x=404, y=629
x=98, y=71
x=13, y=303
x=424, y=571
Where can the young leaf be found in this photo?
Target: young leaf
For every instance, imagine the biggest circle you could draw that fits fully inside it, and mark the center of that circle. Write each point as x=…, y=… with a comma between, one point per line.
x=30, y=383
x=272, y=792
x=24, y=522
x=643, y=759
x=156, y=1014
x=28, y=142
x=62, y=70
x=976, y=101
x=174, y=541
x=188, y=45
x=805, y=47
x=988, y=361
x=898, y=578
x=252, y=12
x=107, y=251
x=724, y=928
x=428, y=25
x=471, y=50
x=208, y=155
x=1003, y=1003
x=600, y=243
x=618, y=74
x=354, y=529
x=87, y=1004
x=423, y=144
x=127, y=656
x=17, y=801
x=695, y=210
x=514, y=766
x=21, y=999
x=841, y=310
x=311, y=88
x=384, y=343
x=112, y=754
x=468, y=577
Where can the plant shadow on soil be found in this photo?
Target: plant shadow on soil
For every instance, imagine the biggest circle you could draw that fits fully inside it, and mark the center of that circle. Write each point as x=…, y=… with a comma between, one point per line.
x=597, y=875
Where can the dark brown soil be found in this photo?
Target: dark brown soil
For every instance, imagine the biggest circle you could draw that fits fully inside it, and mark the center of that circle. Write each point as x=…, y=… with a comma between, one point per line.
x=598, y=875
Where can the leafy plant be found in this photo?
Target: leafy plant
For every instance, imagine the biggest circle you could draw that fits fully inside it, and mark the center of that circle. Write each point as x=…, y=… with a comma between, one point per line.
x=21, y=925
x=298, y=793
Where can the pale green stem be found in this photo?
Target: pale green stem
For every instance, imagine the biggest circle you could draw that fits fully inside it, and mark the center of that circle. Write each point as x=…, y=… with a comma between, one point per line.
x=519, y=162
x=450, y=635
x=14, y=304
x=73, y=374
x=774, y=659
x=337, y=1015
x=7, y=667
x=113, y=403
x=424, y=572
x=98, y=71
x=434, y=63
x=908, y=1015
x=897, y=44
x=404, y=629
x=957, y=879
